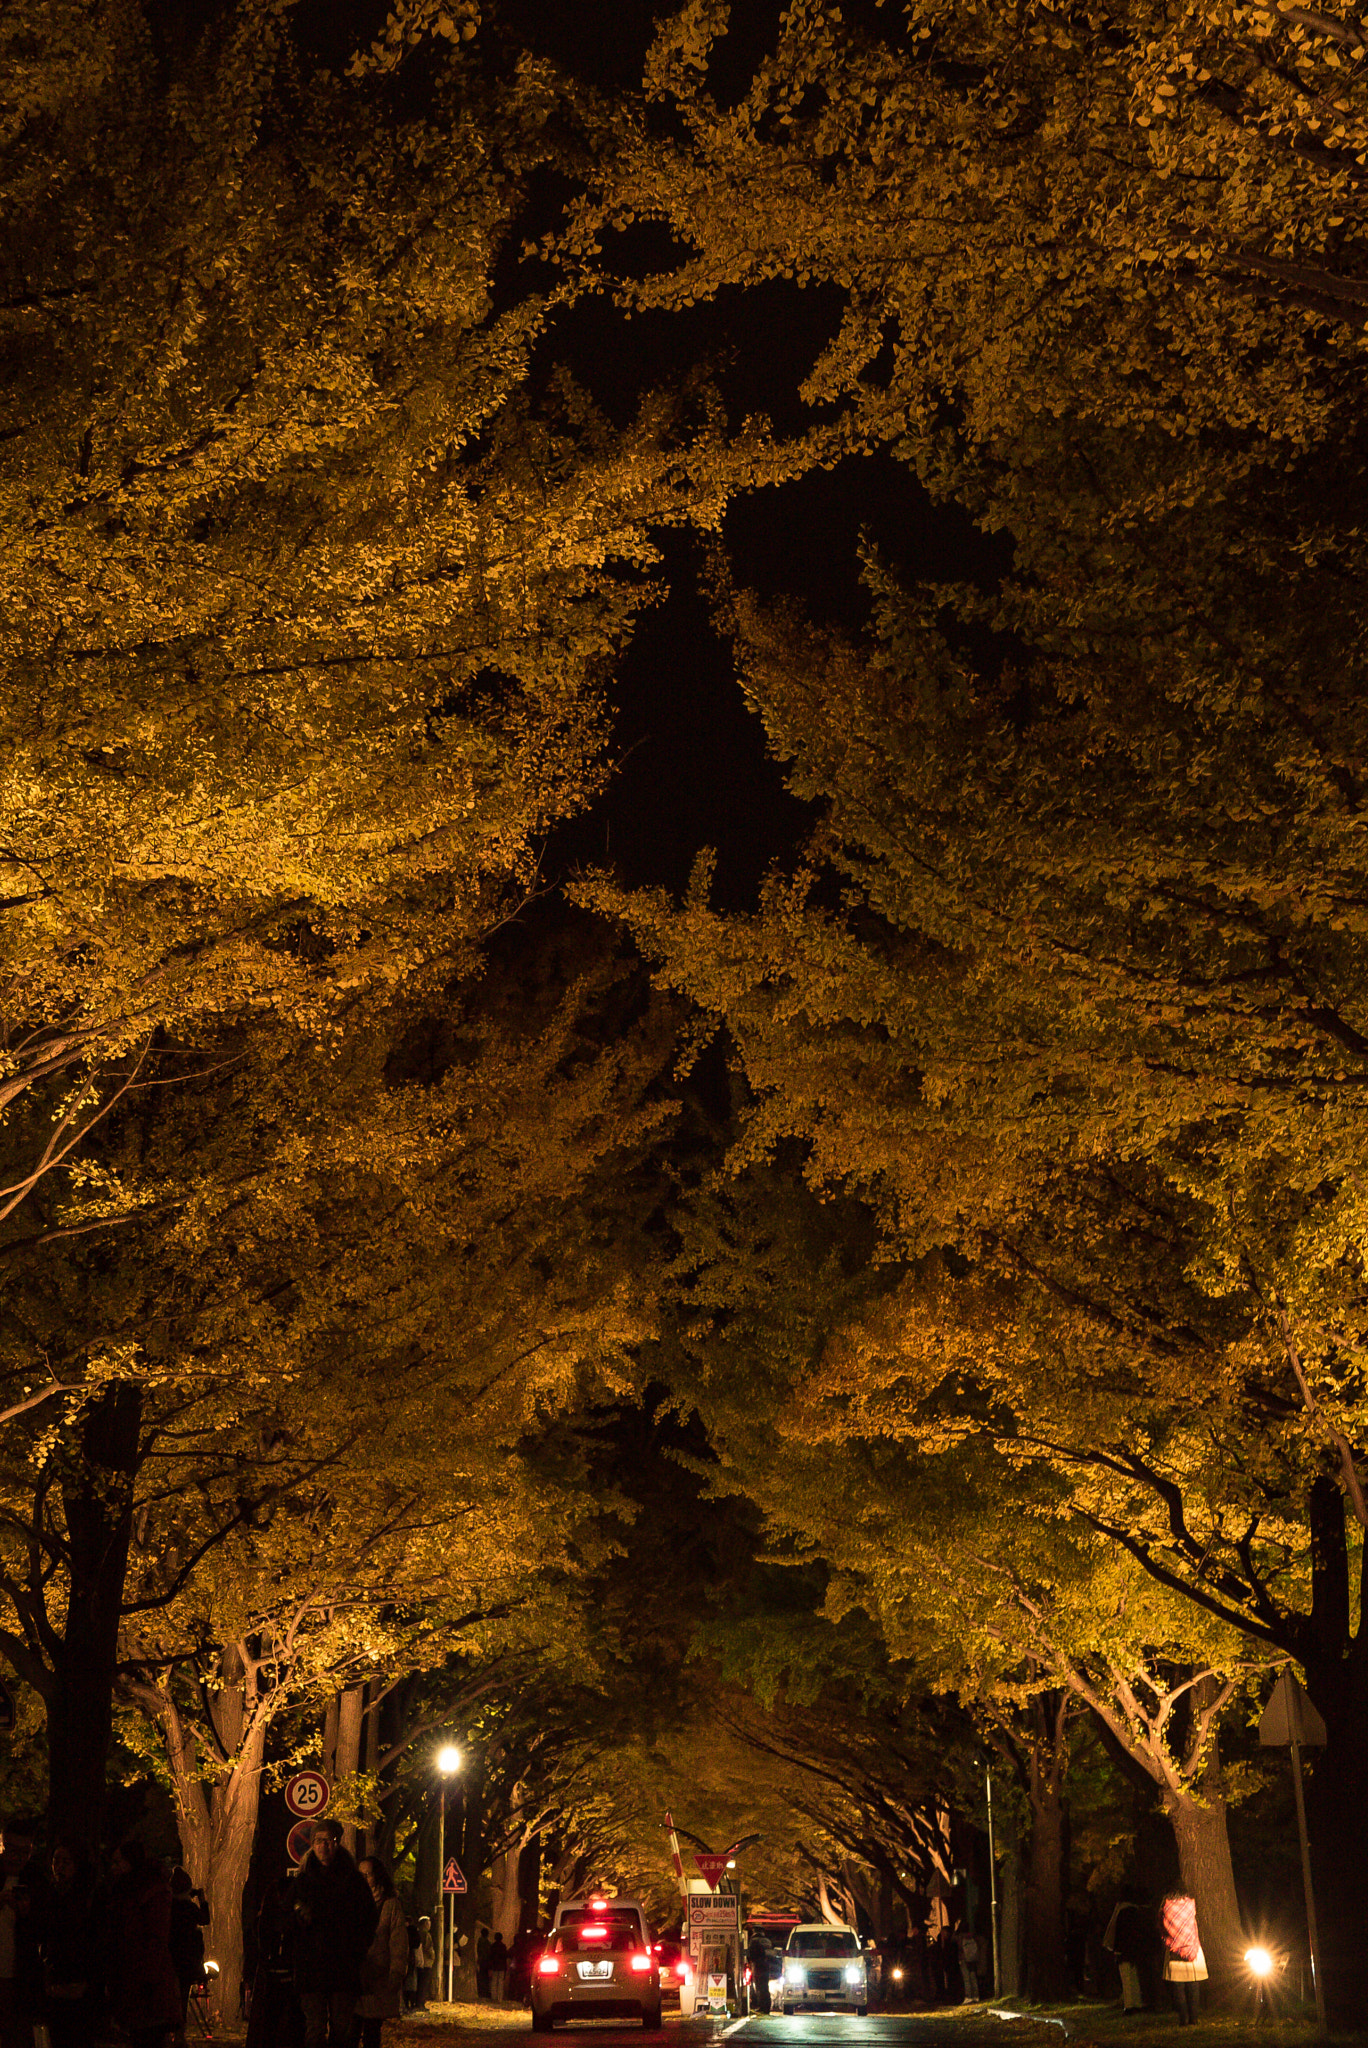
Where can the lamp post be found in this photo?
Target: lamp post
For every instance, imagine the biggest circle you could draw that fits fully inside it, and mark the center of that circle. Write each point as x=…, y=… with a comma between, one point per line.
x=992, y=1884
x=448, y=1763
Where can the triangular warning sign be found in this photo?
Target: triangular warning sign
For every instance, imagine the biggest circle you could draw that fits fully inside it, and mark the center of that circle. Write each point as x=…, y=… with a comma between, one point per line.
x=452, y=1880
x=1290, y=1717
x=710, y=1867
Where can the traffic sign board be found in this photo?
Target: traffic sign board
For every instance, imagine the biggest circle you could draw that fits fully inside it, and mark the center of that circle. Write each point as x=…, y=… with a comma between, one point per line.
x=1290, y=1717
x=298, y=1841
x=710, y=1868
x=452, y=1880
x=307, y=1794
x=6, y=1709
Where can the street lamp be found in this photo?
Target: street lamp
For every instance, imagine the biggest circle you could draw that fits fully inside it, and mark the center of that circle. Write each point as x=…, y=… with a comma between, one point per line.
x=448, y=1763
x=1260, y=1965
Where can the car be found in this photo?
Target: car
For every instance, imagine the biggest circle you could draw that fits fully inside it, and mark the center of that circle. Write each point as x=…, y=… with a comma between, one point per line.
x=597, y=1964
x=676, y=1975
x=824, y=1966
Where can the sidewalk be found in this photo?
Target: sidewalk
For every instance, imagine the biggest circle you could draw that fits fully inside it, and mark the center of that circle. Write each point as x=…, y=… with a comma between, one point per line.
x=1090, y=2022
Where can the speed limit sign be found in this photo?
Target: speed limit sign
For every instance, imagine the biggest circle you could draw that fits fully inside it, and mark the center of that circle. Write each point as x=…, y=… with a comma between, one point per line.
x=307, y=1793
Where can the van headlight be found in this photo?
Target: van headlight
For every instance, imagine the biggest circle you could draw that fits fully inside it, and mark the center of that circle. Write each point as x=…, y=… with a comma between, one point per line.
x=794, y=1973
x=854, y=1973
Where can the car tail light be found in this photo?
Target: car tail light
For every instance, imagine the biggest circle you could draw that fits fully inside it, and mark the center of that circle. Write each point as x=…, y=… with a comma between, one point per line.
x=641, y=1962
x=549, y=1966
x=594, y=1933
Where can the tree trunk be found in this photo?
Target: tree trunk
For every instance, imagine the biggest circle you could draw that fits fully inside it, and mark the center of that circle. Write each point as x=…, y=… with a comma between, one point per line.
x=1047, y=1971
x=1046, y=1966
x=98, y=1506
x=505, y=1904
x=1199, y=1827
x=350, y=1708
x=218, y=1826
x=1336, y=1666
x=370, y=1722
x=234, y=1805
x=1010, y=1923
x=467, y=1843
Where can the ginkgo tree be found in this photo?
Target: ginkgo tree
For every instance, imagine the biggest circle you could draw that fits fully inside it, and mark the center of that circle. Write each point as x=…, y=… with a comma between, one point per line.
x=310, y=596
x=336, y=1263
x=978, y=1556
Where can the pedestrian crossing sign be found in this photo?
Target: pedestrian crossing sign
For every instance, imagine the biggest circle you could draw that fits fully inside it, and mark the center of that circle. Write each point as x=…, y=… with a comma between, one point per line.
x=452, y=1880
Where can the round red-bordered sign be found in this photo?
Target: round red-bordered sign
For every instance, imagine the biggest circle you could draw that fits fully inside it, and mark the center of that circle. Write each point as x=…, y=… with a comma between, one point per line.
x=299, y=1841
x=307, y=1794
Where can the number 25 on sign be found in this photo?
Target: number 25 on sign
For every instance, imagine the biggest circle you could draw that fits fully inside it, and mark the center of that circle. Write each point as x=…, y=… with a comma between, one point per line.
x=307, y=1794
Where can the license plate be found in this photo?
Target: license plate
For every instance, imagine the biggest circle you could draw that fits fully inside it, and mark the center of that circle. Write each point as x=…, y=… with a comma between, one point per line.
x=594, y=1973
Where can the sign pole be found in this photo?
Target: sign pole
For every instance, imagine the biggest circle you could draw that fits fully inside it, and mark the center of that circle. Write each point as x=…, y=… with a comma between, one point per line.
x=440, y=1915
x=1313, y=1936
x=992, y=1884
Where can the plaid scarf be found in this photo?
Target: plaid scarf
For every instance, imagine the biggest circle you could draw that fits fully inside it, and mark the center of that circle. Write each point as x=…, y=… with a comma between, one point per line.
x=1180, y=1929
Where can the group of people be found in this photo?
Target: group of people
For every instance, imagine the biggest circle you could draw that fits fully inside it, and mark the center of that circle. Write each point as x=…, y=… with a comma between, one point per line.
x=937, y=1965
x=80, y=1948
x=491, y=1967
x=336, y=1954
x=78, y=1945
x=1150, y=1947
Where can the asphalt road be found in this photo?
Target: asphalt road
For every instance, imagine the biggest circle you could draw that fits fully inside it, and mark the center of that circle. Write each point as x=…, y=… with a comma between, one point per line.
x=802, y=2030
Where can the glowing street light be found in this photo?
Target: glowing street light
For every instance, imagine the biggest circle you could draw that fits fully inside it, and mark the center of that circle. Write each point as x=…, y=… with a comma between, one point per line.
x=1260, y=1965
x=449, y=1761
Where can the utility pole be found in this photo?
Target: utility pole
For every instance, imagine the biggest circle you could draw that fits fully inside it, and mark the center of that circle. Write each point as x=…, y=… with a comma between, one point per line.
x=992, y=1884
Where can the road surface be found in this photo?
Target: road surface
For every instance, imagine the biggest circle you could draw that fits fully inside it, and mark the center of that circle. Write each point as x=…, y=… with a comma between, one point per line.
x=950, y=2027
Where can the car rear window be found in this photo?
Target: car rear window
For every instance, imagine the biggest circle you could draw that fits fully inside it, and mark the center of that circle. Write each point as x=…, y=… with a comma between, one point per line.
x=823, y=1947
x=622, y=1927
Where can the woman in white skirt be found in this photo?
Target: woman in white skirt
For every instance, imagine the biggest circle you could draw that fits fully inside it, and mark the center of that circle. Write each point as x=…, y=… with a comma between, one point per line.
x=1185, y=1969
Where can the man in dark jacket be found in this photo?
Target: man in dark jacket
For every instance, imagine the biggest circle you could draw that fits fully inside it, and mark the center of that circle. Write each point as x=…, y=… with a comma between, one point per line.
x=335, y=1918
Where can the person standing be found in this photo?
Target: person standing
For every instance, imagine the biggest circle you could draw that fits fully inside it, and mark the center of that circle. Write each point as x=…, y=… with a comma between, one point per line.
x=758, y=1956
x=70, y=1943
x=1129, y=1938
x=189, y=1918
x=1185, y=1969
x=427, y=1962
x=275, y=2019
x=498, y=1969
x=144, y=1996
x=335, y=1918
x=482, y=1947
x=386, y=1963
x=23, y=1899
x=969, y=1947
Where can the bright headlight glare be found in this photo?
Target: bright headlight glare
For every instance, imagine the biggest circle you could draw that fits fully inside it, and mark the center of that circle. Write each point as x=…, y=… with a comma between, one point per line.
x=853, y=1973
x=1259, y=1962
x=794, y=1971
